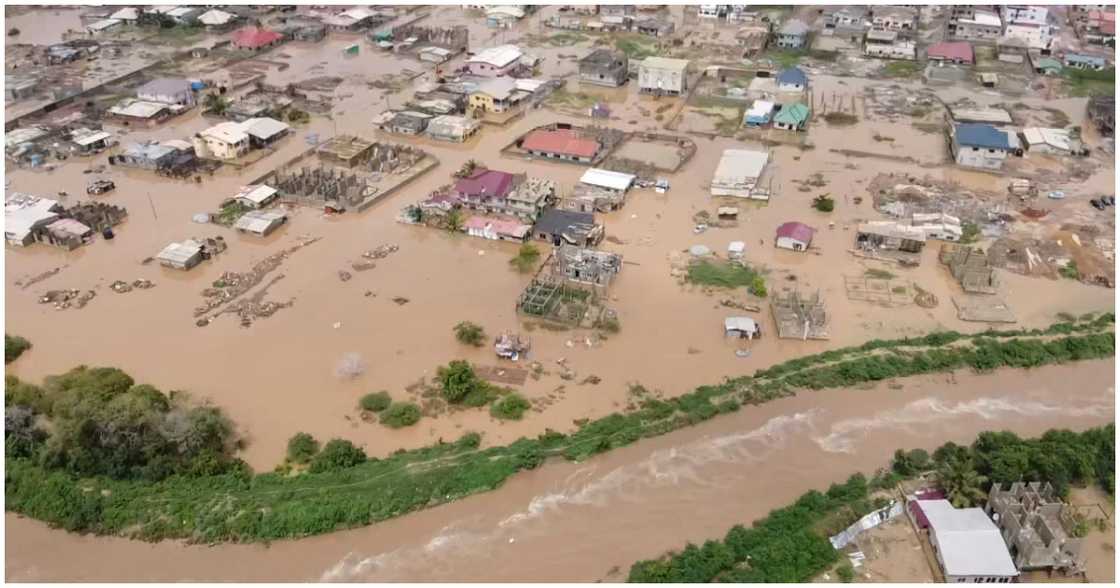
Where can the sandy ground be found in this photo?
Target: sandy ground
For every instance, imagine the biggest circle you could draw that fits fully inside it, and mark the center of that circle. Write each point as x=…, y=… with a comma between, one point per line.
x=591, y=521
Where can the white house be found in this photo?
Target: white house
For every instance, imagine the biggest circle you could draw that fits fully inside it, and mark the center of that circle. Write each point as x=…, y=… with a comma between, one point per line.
x=967, y=543
x=608, y=180
x=1034, y=36
x=260, y=222
x=227, y=140
x=24, y=214
x=167, y=91
x=738, y=172
x=981, y=145
x=256, y=196
x=663, y=76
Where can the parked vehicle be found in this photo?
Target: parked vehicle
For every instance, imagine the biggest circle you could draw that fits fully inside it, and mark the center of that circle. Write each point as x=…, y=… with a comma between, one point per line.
x=101, y=187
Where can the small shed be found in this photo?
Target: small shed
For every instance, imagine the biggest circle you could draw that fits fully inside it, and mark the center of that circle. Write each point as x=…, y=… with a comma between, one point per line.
x=735, y=250
x=182, y=256
x=608, y=180
x=260, y=222
x=742, y=327
x=794, y=236
x=792, y=117
x=256, y=196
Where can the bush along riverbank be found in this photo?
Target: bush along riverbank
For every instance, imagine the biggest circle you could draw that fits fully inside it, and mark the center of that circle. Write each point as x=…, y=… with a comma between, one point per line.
x=791, y=544
x=169, y=470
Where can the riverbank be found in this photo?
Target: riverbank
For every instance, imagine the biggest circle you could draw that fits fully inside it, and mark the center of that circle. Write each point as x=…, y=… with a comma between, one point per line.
x=580, y=522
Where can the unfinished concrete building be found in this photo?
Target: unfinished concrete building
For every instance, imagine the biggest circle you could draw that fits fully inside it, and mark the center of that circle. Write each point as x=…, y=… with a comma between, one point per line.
x=1032, y=521
x=800, y=318
x=455, y=39
x=584, y=266
x=971, y=268
x=604, y=67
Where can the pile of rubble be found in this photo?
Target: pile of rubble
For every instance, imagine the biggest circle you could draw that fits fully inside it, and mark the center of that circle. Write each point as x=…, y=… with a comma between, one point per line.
x=368, y=257
x=233, y=284
x=63, y=299
x=121, y=286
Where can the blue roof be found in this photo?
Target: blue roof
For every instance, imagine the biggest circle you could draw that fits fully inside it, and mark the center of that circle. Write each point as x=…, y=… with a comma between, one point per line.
x=1087, y=59
x=981, y=135
x=793, y=75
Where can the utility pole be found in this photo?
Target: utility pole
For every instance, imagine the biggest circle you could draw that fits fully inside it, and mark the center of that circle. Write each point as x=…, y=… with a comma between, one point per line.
x=153, y=205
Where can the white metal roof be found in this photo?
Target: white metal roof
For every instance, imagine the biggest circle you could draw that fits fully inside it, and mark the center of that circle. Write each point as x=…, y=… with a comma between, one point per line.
x=23, y=135
x=256, y=194
x=358, y=13
x=102, y=25
x=736, y=247
x=180, y=252
x=258, y=221
x=741, y=163
x=499, y=56
x=987, y=115
x=740, y=323
x=126, y=14
x=216, y=17
x=1056, y=138
x=893, y=230
x=983, y=18
x=761, y=108
x=227, y=132
x=22, y=212
x=137, y=108
x=89, y=137
x=611, y=180
x=510, y=11
x=264, y=128
x=970, y=542
x=665, y=63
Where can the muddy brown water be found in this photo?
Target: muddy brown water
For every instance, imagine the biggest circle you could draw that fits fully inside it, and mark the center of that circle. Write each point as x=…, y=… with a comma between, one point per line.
x=589, y=521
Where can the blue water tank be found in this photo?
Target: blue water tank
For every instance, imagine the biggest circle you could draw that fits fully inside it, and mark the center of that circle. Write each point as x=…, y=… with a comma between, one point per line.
x=197, y=85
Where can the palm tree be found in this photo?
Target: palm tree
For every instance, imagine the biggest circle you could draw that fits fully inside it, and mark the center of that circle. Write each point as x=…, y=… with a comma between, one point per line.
x=455, y=221
x=961, y=483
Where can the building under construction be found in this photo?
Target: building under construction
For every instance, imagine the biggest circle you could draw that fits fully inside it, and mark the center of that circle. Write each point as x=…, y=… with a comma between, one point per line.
x=971, y=268
x=800, y=318
x=349, y=173
x=581, y=266
x=1033, y=523
x=569, y=286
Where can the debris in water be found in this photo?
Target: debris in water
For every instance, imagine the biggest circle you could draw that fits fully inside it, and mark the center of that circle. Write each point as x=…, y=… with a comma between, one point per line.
x=350, y=366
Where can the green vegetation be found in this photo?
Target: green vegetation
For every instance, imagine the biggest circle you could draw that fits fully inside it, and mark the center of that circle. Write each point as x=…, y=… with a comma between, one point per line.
x=721, y=274
x=577, y=100
x=337, y=455
x=302, y=447
x=1070, y=271
x=375, y=401
x=509, y=407
x=297, y=116
x=1090, y=83
x=636, y=46
x=400, y=414
x=908, y=463
x=878, y=274
x=14, y=346
x=230, y=212
x=840, y=118
x=970, y=232
x=846, y=573
x=758, y=286
x=526, y=258
x=902, y=69
x=469, y=333
x=215, y=103
x=567, y=39
x=209, y=497
x=791, y=544
x=823, y=203
x=455, y=221
x=786, y=57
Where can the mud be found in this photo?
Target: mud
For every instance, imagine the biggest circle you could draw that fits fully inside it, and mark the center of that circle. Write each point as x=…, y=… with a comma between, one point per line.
x=590, y=521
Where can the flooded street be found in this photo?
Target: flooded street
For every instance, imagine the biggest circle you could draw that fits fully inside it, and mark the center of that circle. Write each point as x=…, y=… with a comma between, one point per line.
x=590, y=521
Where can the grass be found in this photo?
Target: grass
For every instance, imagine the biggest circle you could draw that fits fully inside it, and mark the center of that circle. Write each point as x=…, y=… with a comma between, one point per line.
x=242, y=507
x=562, y=97
x=840, y=118
x=636, y=46
x=902, y=69
x=721, y=274
x=229, y=213
x=1083, y=83
x=567, y=39
x=878, y=274
x=786, y=57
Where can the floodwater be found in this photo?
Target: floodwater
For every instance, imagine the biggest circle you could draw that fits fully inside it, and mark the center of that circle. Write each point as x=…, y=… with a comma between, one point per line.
x=278, y=377
x=590, y=521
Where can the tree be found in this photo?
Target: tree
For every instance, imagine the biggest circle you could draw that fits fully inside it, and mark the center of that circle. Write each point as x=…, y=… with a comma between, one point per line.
x=510, y=407
x=457, y=380
x=12, y=32
x=469, y=333
x=338, y=454
x=823, y=203
x=455, y=221
x=526, y=258
x=846, y=573
x=961, y=483
x=758, y=286
x=400, y=414
x=215, y=103
x=375, y=401
x=302, y=447
x=14, y=346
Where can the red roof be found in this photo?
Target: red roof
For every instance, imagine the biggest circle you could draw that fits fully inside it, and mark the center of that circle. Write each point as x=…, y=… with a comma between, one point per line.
x=1108, y=26
x=955, y=50
x=487, y=182
x=253, y=37
x=562, y=141
x=796, y=231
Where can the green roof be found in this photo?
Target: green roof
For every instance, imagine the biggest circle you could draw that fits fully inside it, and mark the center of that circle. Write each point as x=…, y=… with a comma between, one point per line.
x=793, y=114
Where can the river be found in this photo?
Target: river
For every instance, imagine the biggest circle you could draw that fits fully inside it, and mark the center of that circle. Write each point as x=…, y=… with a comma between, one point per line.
x=590, y=521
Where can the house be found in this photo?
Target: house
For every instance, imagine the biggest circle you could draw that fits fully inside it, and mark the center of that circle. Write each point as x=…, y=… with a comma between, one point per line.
x=890, y=236
x=794, y=236
x=1023, y=14
x=1102, y=112
x=18, y=87
x=886, y=43
x=167, y=91
x=434, y=54
x=503, y=16
x=956, y=52
x=604, y=67
x=759, y=114
x=496, y=95
x=155, y=156
x=351, y=20
x=741, y=327
x=618, y=10
x=497, y=229
x=1084, y=62
x=654, y=27
x=982, y=145
x=102, y=26
x=1051, y=141
x=738, y=174
x=133, y=111
x=992, y=116
x=1099, y=27
x=255, y=38
x=663, y=76
x=938, y=225
x=68, y=233
x=566, y=144
x=403, y=122
x=793, y=80
x=851, y=17
x=128, y=15
x=216, y=19
x=612, y=181
x=91, y=141
x=529, y=197
x=495, y=61
x=565, y=226
x=792, y=35
x=894, y=18
x=968, y=545
x=1031, y=520
x=452, y=128
x=713, y=11
x=792, y=117
x=1034, y=36
x=260, y=222
x=981, y=26
x=181, y=256
x=227, y=140
x=258, y=196
x=25, y=216
x=264, y=131
x=1047, y=66
x=753, y=38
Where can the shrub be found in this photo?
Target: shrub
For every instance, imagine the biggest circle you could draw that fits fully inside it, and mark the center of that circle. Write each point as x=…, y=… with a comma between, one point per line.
x=846, y=573
x=375, y=401
x=824, y=203
x=302, y=447
x=758, y=286
x=337, y=454
x=721, y=274
x=457, y=380
x=509, y=407
x=400, y=414
x=469, y=333
x=526, y=258
x=14, y=346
